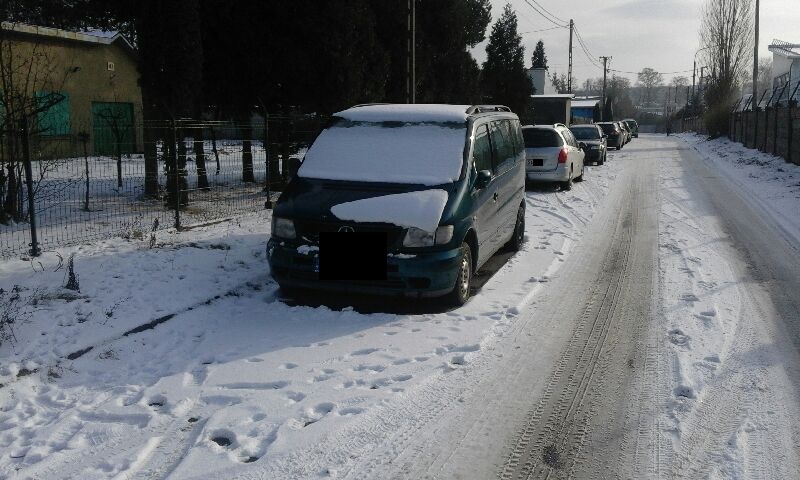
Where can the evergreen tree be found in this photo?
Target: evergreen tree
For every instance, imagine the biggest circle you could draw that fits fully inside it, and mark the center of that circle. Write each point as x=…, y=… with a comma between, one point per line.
x=539, y=58
x=504, y=79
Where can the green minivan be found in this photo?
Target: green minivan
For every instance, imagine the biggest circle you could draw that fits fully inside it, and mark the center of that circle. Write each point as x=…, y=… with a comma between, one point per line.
x=443, y=184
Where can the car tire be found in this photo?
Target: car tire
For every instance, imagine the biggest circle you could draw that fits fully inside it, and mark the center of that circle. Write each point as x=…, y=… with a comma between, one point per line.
x=461, y=290
x=293, y=293
x=515, y=244
x=579, y=178
x=619, y=147
x=567, y=186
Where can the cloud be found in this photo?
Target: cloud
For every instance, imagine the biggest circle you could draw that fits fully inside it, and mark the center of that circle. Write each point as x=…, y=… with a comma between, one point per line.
x=654, y=9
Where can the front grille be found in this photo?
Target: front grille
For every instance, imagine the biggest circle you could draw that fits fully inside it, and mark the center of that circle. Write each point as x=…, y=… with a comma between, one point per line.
x=309, y=230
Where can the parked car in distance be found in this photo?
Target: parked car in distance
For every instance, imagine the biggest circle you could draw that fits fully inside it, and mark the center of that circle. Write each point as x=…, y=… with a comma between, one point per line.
x=633, y=126
x=594, y=141
x=616, y=137
x=445, y=185
x=552, y=154
x=625, y=132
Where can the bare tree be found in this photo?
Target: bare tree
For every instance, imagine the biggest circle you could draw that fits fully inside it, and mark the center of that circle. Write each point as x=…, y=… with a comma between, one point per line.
x=649, y=79
x=30, y=83
x=726, y=34
x=118, y=124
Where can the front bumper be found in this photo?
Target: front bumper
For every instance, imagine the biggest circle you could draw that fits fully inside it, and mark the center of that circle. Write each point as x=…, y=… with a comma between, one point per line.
x=425, y=274
x=560, y=174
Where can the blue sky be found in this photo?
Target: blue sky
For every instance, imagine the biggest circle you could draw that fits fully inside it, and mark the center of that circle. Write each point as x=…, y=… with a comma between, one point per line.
x=662, y=34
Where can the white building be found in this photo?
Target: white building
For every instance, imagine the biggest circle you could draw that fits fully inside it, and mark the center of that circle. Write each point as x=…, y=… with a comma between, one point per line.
x=541, y=81
x=785, y=63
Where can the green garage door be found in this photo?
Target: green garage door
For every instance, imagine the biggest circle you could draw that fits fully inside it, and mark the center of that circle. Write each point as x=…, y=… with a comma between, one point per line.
x=113, y=123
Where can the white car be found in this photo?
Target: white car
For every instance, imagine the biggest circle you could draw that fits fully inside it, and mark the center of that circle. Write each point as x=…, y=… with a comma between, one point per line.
x=552, y=154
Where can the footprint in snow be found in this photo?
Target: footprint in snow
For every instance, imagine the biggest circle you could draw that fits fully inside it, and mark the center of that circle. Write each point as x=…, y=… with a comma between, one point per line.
x=364, y=351
x=677, y=337
x=689, y=297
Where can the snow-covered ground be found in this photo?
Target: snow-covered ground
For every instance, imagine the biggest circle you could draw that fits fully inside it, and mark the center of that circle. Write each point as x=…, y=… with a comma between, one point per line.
x=768, y=179
x=183, y=360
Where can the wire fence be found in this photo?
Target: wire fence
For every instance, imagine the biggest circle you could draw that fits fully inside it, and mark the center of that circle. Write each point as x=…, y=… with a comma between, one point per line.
x=768, y=121
x=79, y=183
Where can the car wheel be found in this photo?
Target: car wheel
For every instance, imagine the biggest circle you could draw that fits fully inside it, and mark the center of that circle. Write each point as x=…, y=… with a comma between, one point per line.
x=515, y=243
x=619, y=147
x=461, y=290
x=290, y=292
x=579, y=178
x=567, y=186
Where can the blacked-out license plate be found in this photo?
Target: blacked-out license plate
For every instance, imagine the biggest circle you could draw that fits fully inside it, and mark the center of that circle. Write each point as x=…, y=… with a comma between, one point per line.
x=352, y=256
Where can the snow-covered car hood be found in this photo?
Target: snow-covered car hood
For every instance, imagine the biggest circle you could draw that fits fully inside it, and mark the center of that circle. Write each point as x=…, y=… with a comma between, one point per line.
x=421, y=209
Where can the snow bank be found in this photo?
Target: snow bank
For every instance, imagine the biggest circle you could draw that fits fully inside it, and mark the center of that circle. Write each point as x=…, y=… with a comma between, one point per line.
x=415, y=154
x=770, y=181
x=406, y=113
x=422, y=209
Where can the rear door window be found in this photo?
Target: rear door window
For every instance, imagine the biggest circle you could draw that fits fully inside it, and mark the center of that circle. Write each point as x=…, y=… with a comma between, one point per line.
x=502, y=143
x=541, y=138
x=482, y=149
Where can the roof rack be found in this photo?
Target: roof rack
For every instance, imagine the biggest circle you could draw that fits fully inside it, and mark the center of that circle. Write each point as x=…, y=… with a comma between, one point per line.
x=487, y=108
x=370, y=104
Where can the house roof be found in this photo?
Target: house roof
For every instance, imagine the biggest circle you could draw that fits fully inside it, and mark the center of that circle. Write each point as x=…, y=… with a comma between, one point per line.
x=786, y=49
x=585, y=103
x=98, y=37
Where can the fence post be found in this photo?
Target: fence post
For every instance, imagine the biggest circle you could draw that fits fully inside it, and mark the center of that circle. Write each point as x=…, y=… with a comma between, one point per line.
x=26, y=158
x=268, y=203
x=175, y=174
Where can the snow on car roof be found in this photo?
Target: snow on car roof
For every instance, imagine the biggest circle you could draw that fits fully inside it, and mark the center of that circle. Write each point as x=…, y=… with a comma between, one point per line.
x=416, y=113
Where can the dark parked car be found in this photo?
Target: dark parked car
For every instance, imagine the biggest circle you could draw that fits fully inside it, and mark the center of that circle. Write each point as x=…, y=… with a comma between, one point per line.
x=633, y=126
x=616, y=137
x=444, y=184
x=593, y=140
x=625, y=131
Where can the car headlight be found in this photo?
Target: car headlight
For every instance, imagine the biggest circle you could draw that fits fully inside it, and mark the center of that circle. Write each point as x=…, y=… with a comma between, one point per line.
x=416, y=237
x=283, y=228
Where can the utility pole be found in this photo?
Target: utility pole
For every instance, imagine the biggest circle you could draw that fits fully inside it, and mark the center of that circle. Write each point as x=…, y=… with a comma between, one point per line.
x=755, y=80
x=569, y=71
x=411, y=58
x=605, y=73
x=702, y=83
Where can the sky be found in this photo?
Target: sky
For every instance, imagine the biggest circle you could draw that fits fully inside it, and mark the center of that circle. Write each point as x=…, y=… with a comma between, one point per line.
x=661, y=34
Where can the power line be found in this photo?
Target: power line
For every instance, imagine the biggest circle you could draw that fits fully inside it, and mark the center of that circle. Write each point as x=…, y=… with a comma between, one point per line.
x=586, y=50
x=542, y=30
x=546, y=11
x=662, y=73
x=540, y=12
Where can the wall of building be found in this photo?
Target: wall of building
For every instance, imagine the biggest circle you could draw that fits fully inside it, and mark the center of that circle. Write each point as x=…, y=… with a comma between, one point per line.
x=81, y=70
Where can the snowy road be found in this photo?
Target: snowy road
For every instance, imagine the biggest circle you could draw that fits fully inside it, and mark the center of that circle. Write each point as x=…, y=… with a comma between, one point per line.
x=649, y=328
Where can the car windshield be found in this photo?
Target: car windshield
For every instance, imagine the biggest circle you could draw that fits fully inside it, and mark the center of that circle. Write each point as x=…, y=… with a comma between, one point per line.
x=429, y=153
x=585, y=133
x=540, y=138
x=608, y=127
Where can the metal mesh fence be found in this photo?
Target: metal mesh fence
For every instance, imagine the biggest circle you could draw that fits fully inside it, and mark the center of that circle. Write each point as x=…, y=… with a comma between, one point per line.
x=126, y=179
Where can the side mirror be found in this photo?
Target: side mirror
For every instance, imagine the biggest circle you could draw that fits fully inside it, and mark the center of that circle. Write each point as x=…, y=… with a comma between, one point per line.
x=582, y=146
x=605, y=136
x=483, y=179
